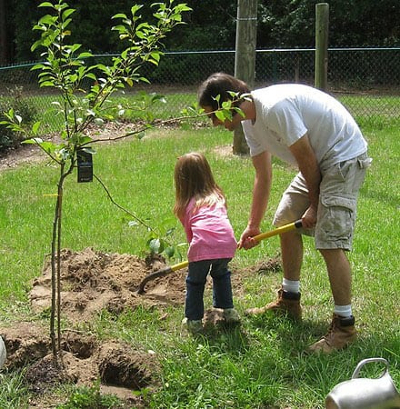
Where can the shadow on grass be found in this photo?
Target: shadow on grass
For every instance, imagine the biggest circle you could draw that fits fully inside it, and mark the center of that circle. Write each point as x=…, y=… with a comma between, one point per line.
x=232, y=339
x=288, y=333
x=229, y=337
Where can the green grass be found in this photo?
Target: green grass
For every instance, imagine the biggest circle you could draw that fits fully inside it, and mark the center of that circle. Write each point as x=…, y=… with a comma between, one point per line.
x=168, y=107
x=377, y=110
x=260, y=365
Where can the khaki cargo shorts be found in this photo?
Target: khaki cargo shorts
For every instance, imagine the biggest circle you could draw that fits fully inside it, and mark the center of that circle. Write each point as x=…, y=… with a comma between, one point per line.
x=337, y=208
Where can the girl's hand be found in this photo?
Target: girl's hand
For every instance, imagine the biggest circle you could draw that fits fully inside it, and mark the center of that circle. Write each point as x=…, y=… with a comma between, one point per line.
x=246, y=239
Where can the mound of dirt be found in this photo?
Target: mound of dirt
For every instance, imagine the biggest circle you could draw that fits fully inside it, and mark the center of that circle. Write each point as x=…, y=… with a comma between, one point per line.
x=94, y=281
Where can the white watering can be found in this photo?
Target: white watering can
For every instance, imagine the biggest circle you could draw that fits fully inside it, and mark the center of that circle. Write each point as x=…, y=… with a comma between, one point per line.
x=365, y=393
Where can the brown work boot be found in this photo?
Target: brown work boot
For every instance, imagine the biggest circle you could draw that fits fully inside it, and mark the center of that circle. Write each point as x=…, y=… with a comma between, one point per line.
x=340, y=334
x=286, y=304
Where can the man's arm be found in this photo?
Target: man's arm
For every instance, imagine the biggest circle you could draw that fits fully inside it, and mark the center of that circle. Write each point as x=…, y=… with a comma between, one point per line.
x=308, y=166
x=261, y=190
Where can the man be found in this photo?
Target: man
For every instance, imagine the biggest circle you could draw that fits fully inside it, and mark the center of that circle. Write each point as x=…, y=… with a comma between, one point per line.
x=313, y=131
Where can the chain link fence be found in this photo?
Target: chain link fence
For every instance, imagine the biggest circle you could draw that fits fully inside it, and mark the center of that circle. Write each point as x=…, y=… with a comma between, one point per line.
x=365, y=80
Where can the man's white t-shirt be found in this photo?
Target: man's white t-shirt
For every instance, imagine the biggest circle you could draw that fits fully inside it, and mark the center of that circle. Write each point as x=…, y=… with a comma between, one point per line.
x=285, y=112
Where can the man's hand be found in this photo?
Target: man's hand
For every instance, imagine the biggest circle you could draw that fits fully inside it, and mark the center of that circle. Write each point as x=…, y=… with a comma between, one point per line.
x=309, y=218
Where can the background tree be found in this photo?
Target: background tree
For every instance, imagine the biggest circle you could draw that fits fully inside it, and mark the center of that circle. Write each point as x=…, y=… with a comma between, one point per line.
x=212, y=25
x=5, y=32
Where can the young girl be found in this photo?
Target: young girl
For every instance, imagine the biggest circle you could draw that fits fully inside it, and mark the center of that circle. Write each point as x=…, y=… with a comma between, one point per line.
x=201, y=207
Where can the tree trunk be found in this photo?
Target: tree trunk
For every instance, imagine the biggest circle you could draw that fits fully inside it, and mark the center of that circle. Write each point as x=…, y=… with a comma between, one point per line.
x=4, y=54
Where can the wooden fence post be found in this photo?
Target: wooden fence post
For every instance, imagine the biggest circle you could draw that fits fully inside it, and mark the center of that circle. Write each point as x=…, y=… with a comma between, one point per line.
x=245, y=58
x=321, y=45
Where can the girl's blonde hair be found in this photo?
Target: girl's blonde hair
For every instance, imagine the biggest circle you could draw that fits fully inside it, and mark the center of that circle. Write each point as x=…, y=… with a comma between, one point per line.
x=194, y=179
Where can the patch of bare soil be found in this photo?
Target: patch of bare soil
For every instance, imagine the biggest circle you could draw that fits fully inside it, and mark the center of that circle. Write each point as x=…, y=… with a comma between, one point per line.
x=29, y=153
x=24, y=154
x=92, y=282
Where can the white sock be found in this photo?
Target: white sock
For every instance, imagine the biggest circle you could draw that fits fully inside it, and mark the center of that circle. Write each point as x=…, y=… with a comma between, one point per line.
x=291, y=286
x=343, y=310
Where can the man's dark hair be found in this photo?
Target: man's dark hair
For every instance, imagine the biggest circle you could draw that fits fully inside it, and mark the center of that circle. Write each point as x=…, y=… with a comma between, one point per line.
x=221, y=84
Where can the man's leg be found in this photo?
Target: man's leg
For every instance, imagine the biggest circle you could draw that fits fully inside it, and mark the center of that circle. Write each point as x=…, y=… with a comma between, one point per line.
x=292, y=206
x=339, y=272
x=288, y=301
x=341, y=331
x=333, y=236
x=292, y=255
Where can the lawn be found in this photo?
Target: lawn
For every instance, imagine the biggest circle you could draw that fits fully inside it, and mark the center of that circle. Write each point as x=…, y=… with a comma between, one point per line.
x=260, y=365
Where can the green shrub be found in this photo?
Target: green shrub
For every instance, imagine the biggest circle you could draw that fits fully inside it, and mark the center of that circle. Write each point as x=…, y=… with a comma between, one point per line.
x=22, y=107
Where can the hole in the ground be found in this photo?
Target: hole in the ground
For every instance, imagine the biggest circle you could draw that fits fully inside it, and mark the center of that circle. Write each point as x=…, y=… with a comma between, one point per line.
x=81, y=348
x=120, y=370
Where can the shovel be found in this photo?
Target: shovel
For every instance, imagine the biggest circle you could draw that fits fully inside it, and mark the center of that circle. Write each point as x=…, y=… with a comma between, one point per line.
x=167, y=270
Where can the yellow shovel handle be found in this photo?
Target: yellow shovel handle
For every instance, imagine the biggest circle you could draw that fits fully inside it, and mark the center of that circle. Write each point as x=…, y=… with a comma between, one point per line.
x=279, y=230
x=179, y=266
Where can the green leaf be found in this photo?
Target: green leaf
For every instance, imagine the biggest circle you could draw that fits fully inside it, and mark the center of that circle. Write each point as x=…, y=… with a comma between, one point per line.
x=91, y=76
x=154, y=246
x=88, y=149
x=35, y=45
x=36, y=141
x=120, y=28
x=67, y=13
x=217, y=98
x=220, y=115
x=46, y=4
x=48, y=20
x=136, y=8
x=120, y=15
x=227, y=105
x=37, y=66
x=169, y=251
x=35, y=127
x=47, y=146
x=64, y=154
x=99, y=121
x=156, y=55
x=240, y=112
x=85, y=55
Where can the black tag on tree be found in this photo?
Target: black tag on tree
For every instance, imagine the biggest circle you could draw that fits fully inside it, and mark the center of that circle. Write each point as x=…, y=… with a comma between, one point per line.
x=85, y=166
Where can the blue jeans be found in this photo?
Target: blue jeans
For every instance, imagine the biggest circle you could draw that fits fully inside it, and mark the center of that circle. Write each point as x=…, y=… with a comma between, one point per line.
x=196, y=281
